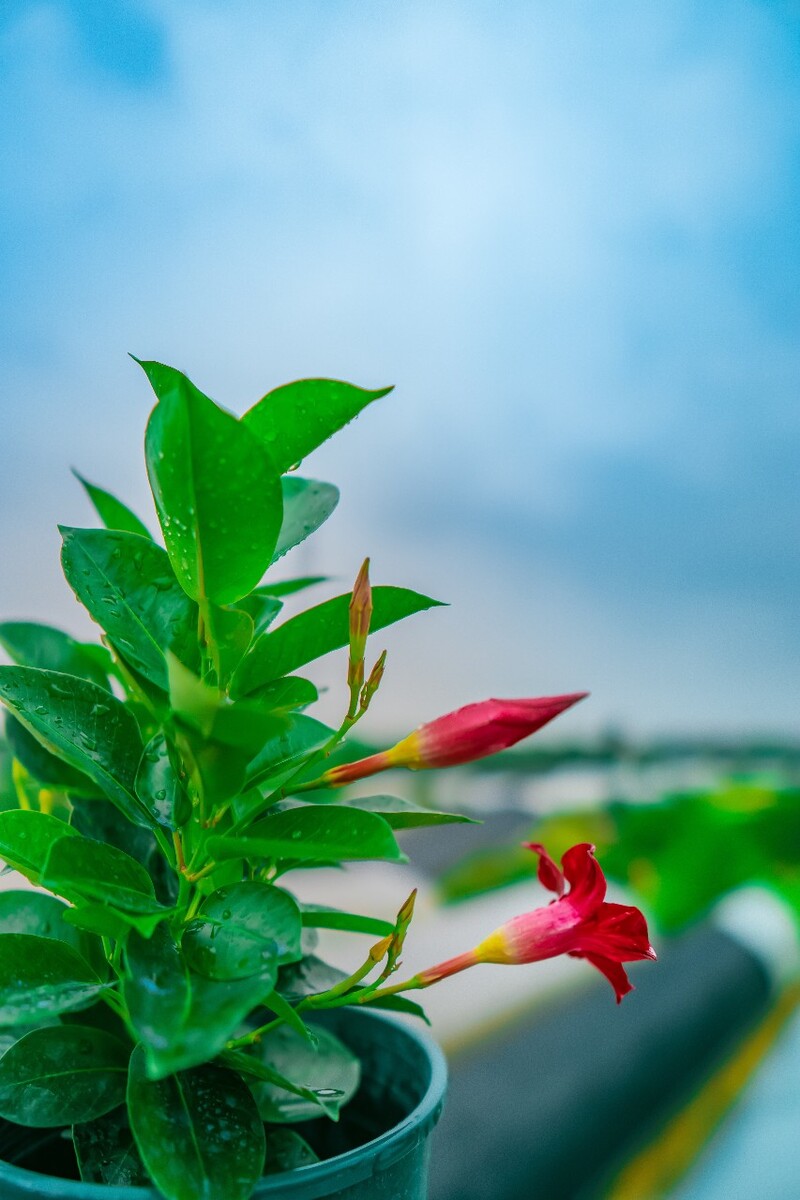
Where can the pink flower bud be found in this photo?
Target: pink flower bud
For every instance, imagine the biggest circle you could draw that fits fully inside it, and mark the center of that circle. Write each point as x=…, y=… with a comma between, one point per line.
x=472, y=732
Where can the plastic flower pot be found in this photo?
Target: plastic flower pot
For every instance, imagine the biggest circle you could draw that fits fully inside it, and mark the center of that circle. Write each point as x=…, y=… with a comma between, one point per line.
x=380, y=1147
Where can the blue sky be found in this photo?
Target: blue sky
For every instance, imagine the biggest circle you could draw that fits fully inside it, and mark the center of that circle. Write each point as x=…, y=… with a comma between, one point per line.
x=566, y=233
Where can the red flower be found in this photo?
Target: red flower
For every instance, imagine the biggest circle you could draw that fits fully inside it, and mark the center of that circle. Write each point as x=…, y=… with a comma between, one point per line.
x=578, y=922
x=472, y=732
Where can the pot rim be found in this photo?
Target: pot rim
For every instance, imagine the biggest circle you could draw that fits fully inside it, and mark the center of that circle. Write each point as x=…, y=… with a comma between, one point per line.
x=343, y=1169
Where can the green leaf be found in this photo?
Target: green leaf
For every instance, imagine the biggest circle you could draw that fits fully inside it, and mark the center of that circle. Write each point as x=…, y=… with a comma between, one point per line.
x=82, y=724
x=106, y=1151
x=43, y=766
x=286, y=1151
x=307, y=977
x=198, y=1132
x=329, y=1070
x=242, y=928
x=158, y=787
x=277, y=1004
x=319, y=916
x=62, y=1075
x=232, y=631
x=318, y=631
x=80, y=869
x=247, y=1063
x=40, y=976
x=33, y=645
x=128, y=587
x=287, y=587
x=26, y=838
x=307, y=504
x=313, y=832
x=261, y=608
x=282, y=755
x=8, y=792
x=217, y=1009
x=217, y=492
x=106, y=921
x=400, y=1004
x=111, y=511
x=294, y=419
x=101, y=822
x=291, y=692
x=42, y=916
x=404, y=814
x=156, y=988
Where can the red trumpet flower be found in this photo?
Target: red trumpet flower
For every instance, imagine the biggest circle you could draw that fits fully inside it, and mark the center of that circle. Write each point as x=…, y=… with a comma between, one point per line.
x=578, y=922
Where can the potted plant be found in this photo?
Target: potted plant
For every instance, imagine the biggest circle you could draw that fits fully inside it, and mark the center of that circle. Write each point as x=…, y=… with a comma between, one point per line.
x=166, y=1027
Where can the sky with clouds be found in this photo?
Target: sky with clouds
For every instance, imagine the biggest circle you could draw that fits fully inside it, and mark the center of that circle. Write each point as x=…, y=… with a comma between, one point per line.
x=567, y=233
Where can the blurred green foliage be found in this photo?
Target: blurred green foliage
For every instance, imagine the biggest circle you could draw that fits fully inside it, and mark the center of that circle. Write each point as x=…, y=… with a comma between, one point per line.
x=678, y=855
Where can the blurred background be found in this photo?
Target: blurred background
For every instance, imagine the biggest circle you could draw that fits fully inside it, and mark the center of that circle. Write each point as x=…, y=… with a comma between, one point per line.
x=568, y=235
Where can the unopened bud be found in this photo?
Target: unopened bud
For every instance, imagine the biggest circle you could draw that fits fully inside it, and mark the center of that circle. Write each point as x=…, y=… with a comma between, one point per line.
x=360, y=613
x=374, y=682
x=379, y=949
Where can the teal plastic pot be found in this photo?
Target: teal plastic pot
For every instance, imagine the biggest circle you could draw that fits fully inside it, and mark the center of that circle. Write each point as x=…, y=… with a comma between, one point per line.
x=396, y=1109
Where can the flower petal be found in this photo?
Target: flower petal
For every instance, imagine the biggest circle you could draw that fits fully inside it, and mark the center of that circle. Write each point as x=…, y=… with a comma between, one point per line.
x=613, y=971
x=618, y=931
x=548, y=873
x=585, y=876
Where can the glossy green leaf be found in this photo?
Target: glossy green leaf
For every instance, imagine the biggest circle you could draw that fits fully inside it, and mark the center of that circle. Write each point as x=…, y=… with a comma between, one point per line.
x=26, y=838
x=62, y=1075
x=216, y=1011
x=262, y=609
x=10, y=1034
x=318, y=631
x=42, y=916
x=106, y=1151
x=286, y=1151
x=313, y=832
x=8, y=791
x=288, y=587
x=156, y=988
x=198, y=1132
x=248, y=725
x=82, y=724
x=329, y=1070
x=307, y=504
x=291, y=692
x=282, y=755
x=242, y=928
x=232, y=631
x=111, y=511
x=106, y=921
x=404, y=814
x=80, y=869
x=400, y=1004
x=294, y=419
x=158, y=787
x=307, y=977
x=248, y=1063
x=217, y=492
x=281, y=1007
x=40, y=976
x=128, y=587
x=41, y=765
x=320, y=916
x=32, y=645
x=102, y=822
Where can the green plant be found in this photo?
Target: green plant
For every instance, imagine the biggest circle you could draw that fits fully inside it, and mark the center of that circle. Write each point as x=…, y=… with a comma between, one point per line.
x=163, y=785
